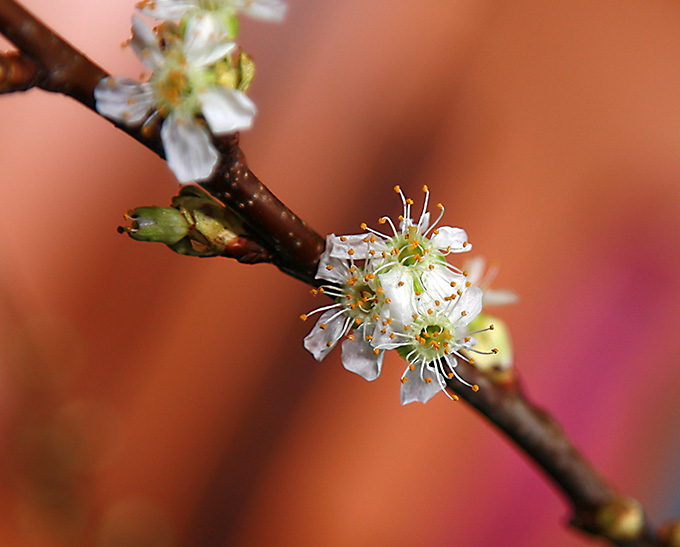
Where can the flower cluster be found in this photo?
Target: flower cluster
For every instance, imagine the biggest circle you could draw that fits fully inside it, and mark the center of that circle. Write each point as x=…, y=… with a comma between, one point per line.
x=398, y=292
x=198, y=82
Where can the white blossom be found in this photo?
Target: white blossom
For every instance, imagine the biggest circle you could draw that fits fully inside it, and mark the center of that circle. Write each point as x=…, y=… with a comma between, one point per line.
x=183, y=86
x=397, y=291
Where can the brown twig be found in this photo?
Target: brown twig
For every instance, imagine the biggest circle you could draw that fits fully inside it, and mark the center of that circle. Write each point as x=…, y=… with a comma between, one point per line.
x=17, y=73
x=56, y=66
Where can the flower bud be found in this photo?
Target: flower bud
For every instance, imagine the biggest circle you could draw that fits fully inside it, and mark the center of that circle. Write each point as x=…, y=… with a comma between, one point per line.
x=161, y=224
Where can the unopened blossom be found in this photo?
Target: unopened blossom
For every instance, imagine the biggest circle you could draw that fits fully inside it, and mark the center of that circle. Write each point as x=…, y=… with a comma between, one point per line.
x=221, y=12
x=397, y=291
x=182, y=88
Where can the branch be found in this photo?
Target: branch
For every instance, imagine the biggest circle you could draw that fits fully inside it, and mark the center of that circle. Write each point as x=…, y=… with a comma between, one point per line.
x=47, y=61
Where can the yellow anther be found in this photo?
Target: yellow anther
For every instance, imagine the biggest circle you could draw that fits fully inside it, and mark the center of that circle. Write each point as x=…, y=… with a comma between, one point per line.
x=375, y=317
x=372, y=239
x=343, y=238
x=388, y=300
x=329, y=267
x=350, y=337
x=392, y=336
x=471, y=361
x=428, y=380
x=494, y=350
x=440, y=206
x=418, y=293
x=425, y=188
x=415, y=316
x=364, y=225
x=350, y=252
x=403, y=380
x=314, y=292
x=467, y=338
x=352, y=269
x=435, y=232
x=397, y=189
x=412, y=367
x=475, y=387
x=455, y=397
x=465, y=273
x=376, y=351
x=383, y=331
x=382, y=220
x=492, y=326
x=467, y=283
x=437, y=302
x=409, y=201
x=465, y=243
x=429, y=311
x=453, y=283
x=329, y=344
x=389, y=320
x=450, y=375
x=463, y=313
x=369, y=338
x=323, y=326
x=358, y=320
x=371, y=252
x=407, y=327
x=401, y=283
x=303, y=317
x=380, y=290
x=322, y=290
x=431, y=266
x=459, y=292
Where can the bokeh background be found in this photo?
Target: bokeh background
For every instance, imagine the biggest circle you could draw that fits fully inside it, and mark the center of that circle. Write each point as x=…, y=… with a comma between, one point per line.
x=148, y=398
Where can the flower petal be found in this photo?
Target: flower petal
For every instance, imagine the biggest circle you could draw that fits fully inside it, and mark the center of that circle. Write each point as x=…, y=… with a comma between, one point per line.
x=413, y=388
x=332, y=269
x=206, y=40
x=359, y=357
x=266, y=10
x=167, y=10
x=145, y=44
x=123, y=100
x=188, y=148
x=440, y=282
x=500, y=297
x=360, y=244
x=226, y=110
x=471, y=303
x=398, y=287
x=455, y=238
x=321, y=340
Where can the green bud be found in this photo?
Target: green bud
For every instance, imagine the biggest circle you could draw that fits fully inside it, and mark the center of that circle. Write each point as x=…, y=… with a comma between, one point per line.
x=161, y=224
x=246, y=71
x=494, y=343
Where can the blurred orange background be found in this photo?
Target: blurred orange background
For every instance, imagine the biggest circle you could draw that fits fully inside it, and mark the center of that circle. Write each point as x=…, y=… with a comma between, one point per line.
x=148, y=398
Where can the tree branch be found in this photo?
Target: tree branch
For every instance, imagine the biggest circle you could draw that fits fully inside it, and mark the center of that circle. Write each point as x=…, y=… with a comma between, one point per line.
x=47, y=61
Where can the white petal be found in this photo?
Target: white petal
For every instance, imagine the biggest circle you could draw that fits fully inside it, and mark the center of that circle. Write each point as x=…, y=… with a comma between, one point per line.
x=188, y=148
x=166, y=10
x=266, y=10
x=471, y=303
x=398, y=287
x=475, y=267
x=500, y=297
x=206, y=40
x=145, y=44
x=358, y=356
x=441, y=282
x=123, y=100
x=226, y=110
x=360, y=244
x=415, y=389
x=456, y=238
x=424, y=222
x=320, y=341
x=393, y=337
x=332, y=269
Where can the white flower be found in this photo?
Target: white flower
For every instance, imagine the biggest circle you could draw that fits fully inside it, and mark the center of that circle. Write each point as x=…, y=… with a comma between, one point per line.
x=183, y=86
x=359, y=300
x=398, y=292
x=429, y=333
x=221, y=12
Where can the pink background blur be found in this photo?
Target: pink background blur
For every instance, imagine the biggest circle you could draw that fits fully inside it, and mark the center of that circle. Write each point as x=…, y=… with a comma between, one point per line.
x=148, y=398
